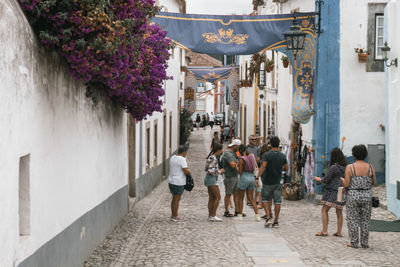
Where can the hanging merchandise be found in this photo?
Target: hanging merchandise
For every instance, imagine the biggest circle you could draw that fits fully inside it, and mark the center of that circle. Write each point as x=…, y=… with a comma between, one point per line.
x=289, y=161
x=309, y=172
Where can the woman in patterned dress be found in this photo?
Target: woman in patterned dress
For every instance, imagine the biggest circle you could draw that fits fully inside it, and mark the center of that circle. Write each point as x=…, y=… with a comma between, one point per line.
x=333, y=180
x=359, y=178
x=211, y=181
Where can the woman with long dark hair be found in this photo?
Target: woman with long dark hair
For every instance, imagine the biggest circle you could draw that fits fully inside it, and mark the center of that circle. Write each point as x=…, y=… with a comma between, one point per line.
x=247, y=165
x=211, y=181
x=333, y=180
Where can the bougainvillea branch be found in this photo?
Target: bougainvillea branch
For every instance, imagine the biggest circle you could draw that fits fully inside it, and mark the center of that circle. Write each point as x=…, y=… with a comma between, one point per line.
x=109, y=45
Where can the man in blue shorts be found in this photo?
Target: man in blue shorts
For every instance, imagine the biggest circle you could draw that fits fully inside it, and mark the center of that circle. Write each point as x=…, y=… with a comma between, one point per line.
x=273, y=162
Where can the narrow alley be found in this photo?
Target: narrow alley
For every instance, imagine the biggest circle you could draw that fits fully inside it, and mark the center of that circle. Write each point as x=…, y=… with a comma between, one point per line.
x=146, y=237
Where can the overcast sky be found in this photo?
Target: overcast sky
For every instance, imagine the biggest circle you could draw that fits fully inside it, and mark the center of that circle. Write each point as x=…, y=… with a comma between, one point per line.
x=219, y=7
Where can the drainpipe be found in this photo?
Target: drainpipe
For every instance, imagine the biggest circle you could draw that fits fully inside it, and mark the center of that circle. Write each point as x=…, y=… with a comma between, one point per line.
x=326, y=133
x=141, y=149
x=255, y=104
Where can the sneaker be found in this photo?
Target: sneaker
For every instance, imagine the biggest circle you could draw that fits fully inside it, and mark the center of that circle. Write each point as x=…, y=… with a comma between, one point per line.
x=176, y=219
x=257, y=218
x=267, y=223
x=216, y=219
x=275, y=225
x=239, y=217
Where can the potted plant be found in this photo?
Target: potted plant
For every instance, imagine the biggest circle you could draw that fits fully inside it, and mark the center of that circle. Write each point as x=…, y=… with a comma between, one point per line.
x=285, y=61
x=269, y=65
x=362, y=54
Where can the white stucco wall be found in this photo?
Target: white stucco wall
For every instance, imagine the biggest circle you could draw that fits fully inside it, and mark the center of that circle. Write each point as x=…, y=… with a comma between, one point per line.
x=171, y=100
x=362, y=94
x=393, y=107
x=78, y=150
x=247, y=95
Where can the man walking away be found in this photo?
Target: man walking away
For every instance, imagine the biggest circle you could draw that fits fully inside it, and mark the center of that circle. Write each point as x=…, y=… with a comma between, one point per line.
x=229, y=164
x=198, y=120
x=212, y=119
x=177, y=180
x=273, y=162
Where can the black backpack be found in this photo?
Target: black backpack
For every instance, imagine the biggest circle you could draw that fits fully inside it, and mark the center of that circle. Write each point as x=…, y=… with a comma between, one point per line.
x=189, y=183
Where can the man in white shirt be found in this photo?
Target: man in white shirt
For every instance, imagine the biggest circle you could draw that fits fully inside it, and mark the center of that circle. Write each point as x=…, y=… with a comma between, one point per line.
x=177, y=180
x=212, y=120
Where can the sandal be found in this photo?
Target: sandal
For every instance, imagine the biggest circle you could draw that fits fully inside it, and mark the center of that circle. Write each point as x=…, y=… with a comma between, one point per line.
x=351, y=245
x=336, y=234
x=321, y=234
x=265, y=217
x=227, y=214
x=236, y=214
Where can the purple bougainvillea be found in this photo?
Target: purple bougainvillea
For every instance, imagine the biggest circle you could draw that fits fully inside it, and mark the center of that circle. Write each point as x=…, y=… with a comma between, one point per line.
x=109, y=45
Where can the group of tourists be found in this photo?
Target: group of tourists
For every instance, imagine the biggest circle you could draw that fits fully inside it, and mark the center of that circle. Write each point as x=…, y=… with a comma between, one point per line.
x=241, y=168
x=256, y=172
x=204, y=120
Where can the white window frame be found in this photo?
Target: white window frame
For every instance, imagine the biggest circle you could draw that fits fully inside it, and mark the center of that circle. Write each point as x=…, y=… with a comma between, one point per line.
x=377, y=37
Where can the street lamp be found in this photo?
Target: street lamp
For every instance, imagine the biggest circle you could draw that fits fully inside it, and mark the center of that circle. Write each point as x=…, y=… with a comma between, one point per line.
x=295, y=38
x=385, y=52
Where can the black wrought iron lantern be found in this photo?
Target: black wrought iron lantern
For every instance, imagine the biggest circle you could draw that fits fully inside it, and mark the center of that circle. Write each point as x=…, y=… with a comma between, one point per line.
x=295, y=38
x=385, y=55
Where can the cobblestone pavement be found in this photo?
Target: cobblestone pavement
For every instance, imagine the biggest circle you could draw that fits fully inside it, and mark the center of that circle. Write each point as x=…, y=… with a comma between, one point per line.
x=146, y=237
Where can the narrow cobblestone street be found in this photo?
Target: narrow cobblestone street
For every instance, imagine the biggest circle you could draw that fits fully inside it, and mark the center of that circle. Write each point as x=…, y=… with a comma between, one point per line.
x=146, y=237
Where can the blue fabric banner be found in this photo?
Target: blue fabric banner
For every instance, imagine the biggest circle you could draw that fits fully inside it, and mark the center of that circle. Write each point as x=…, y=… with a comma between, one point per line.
x=304, y=74
x=228, y=35
x=228, y=75
x=243, y=35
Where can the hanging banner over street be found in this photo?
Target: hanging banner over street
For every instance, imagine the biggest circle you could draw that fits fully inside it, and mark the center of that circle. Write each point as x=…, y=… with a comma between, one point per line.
x=230, y=76
x=228, y=35
x=244, y=35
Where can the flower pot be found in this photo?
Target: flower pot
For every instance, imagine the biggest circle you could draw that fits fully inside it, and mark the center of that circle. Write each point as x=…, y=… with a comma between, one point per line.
x=362, y=58
x=269, y=68
x=285, y=64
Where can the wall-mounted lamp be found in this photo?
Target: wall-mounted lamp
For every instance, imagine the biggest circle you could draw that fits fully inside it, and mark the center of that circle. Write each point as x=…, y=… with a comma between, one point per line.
x=385, y=52
x=295, y=37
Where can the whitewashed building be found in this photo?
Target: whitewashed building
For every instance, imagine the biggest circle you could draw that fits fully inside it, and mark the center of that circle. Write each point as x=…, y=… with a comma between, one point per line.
x=349, y=97
x=392, y=20
x=157, y=138
x=67, y=164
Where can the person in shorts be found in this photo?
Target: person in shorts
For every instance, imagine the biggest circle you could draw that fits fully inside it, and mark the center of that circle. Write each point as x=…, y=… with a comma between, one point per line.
x=273, y=162
x=252, y=148
x=211, y=181
x=229, y=164
x=247, y=165
x=177, y=180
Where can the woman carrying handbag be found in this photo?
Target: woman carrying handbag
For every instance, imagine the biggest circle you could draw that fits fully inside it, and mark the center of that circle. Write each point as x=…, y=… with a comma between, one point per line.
x=359, y=178
x=333, y=181
x=211, y=181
